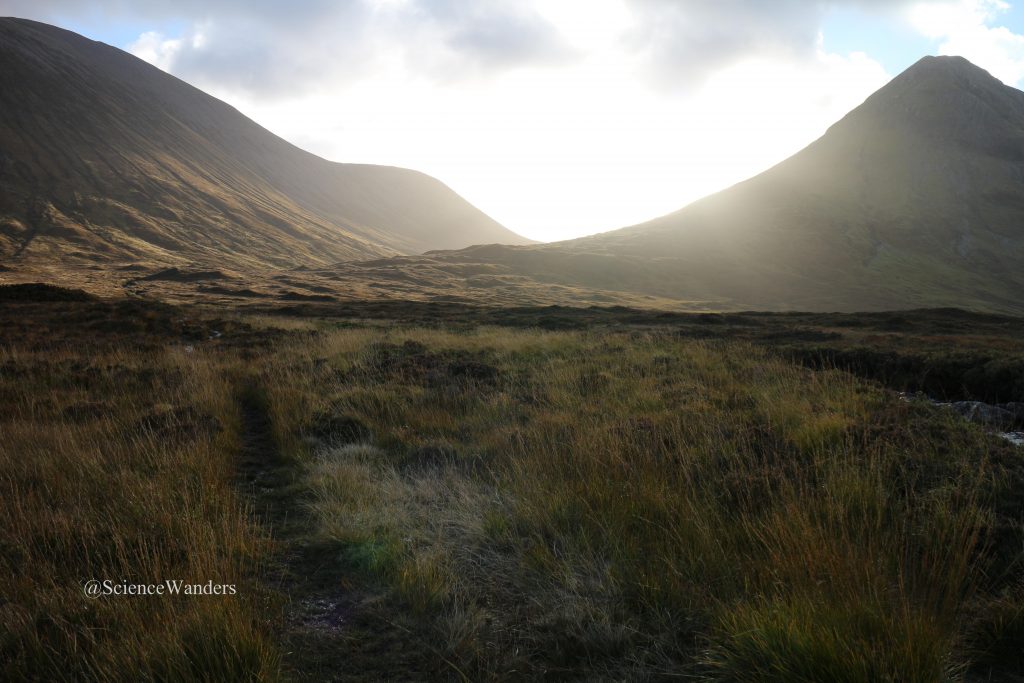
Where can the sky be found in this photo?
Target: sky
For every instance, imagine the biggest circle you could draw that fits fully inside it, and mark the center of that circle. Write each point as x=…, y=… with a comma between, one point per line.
x=559, y=118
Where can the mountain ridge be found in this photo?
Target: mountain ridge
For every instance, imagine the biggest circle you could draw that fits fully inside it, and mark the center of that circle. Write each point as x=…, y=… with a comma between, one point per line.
x=108, y=158
x=913, y=199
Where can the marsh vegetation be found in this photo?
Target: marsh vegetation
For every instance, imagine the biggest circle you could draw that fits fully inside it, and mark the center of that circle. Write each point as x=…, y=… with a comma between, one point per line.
x=467, y=501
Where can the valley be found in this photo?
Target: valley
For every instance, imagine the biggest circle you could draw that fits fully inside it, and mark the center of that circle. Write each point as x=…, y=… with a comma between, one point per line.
x=775, y=435
x=910, y=201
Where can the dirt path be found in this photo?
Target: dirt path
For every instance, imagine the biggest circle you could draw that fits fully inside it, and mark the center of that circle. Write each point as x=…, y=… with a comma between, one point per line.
x=330, y=628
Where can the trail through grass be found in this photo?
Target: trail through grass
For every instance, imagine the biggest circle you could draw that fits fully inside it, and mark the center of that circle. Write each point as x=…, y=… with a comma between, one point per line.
x=621, y=505
x=480, y=503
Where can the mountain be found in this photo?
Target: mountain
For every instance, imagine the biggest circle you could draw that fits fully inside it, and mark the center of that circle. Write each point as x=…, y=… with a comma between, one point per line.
x=914, y=199
x=105, y=158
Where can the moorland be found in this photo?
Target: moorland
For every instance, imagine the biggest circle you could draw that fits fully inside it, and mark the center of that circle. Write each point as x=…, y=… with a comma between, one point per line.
x=408, y=491
x=379, y=436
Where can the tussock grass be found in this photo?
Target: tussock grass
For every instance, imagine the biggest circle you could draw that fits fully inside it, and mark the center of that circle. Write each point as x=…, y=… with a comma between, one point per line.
x=119, y=465
x=602, y=504
x=630, y=504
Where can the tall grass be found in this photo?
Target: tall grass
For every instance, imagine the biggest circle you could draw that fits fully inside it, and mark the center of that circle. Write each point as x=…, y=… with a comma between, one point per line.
x=601, y=505
x=631, y=504
x=120, y=465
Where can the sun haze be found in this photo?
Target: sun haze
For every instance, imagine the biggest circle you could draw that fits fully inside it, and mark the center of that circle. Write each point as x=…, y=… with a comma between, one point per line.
x=558, y=118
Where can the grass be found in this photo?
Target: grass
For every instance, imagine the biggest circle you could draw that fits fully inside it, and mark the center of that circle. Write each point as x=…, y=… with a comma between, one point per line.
x=622, y=504
x=119, y=466
x=649, y=500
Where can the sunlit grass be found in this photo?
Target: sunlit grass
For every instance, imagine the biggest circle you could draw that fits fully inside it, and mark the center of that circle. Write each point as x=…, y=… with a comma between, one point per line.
x=615, y=505
x=120, y=466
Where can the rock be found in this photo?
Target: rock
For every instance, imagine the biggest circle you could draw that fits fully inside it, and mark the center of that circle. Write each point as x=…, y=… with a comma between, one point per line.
x=1016, y=438
x=1016, y=408
x=984, y=413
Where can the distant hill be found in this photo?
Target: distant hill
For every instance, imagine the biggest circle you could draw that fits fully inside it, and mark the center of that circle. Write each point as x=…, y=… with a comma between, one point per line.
x=104, y=158
x=914, y=199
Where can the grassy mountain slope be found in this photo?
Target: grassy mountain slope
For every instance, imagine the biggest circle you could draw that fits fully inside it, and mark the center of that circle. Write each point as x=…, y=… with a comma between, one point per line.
x=913, y=199
x=104, y=157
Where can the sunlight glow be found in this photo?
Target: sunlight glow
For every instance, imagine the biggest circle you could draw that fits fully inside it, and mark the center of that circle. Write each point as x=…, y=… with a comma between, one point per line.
x=556, y=154
x=588, y=139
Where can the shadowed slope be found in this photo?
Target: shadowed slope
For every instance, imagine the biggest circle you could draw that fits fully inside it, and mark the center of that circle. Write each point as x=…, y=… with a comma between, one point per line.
x=104, y=157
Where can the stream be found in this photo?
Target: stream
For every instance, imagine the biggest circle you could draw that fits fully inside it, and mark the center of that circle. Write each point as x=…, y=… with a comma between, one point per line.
x=1002, y=419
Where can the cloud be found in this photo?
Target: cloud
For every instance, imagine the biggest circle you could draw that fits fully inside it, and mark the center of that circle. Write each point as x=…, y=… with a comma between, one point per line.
x=970, y=28
x=687, y=40
x=274, y=48
x=492, y=34
x=156, y=49
x=270, y=54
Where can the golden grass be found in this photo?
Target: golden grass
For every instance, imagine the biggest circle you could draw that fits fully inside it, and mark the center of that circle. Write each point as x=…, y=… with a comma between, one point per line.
x=615, y=505
x=630, y=503
x=120, y=466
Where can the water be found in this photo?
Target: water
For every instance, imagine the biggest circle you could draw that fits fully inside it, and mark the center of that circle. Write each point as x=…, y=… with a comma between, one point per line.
x=1016, y=438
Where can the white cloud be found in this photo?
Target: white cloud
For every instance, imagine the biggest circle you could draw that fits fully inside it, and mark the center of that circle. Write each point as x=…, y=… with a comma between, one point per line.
x=156, y=49
x=274, y=50
x=971, y=29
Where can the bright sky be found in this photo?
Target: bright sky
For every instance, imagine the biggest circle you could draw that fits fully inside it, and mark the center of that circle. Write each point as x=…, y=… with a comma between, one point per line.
x=559, y=118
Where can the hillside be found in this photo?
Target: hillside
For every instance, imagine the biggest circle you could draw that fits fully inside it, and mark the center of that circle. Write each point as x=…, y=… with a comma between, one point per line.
x=118, y=177
x=914, y=199
x=104, y=158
